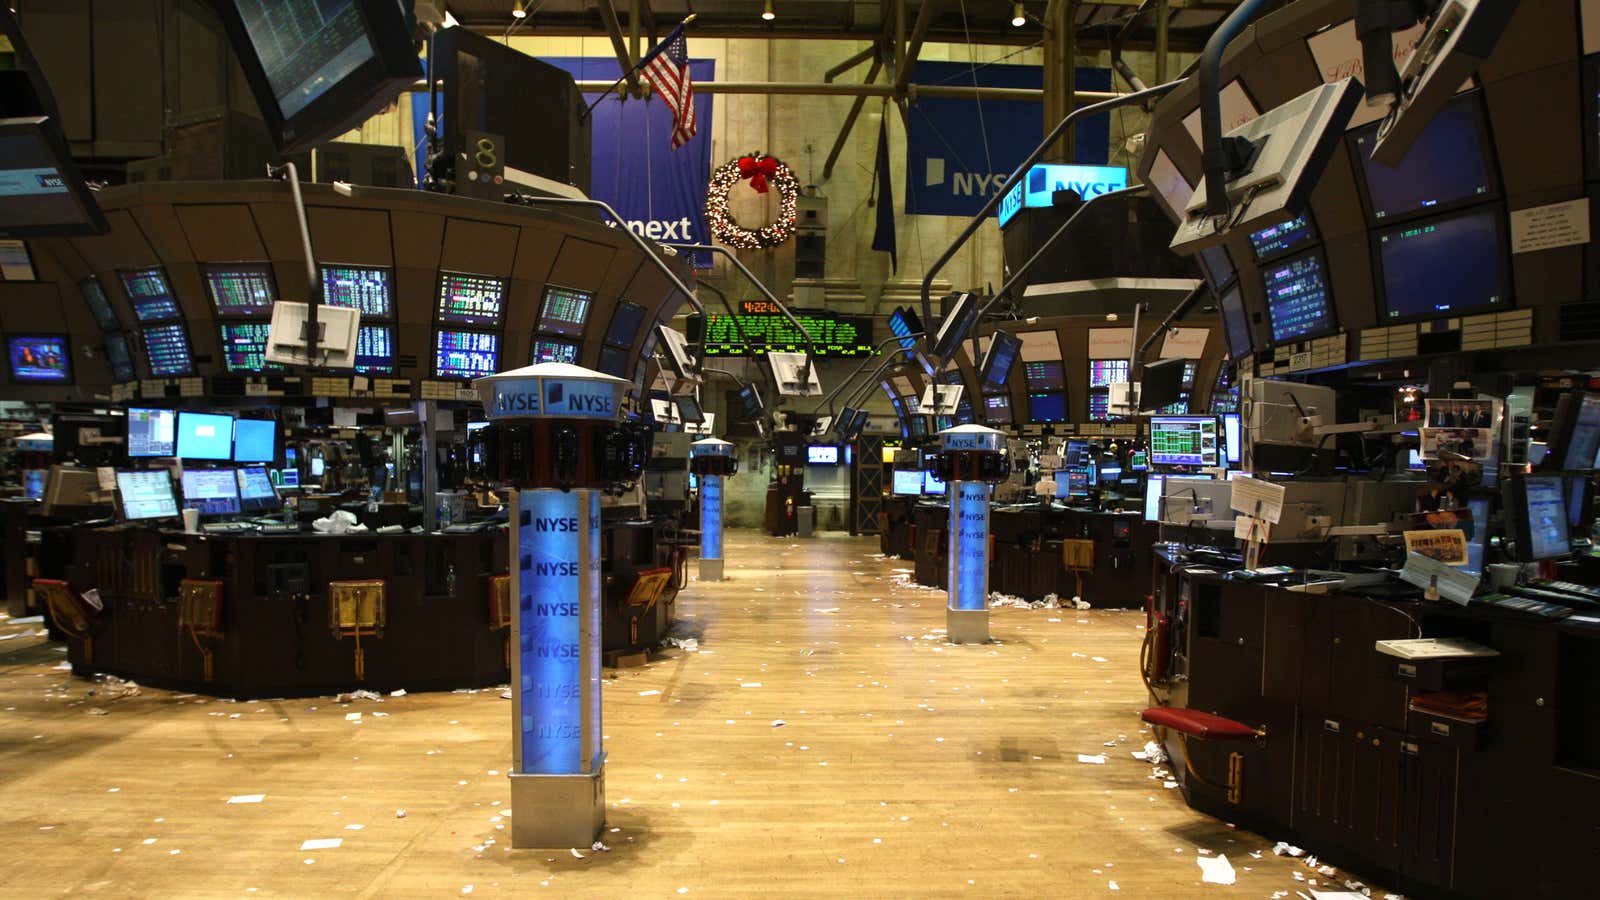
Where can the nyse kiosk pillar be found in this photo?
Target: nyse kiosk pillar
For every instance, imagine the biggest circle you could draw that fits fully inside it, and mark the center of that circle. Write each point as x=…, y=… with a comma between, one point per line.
x=711, y=460
x=971, y=460
x=555, y=442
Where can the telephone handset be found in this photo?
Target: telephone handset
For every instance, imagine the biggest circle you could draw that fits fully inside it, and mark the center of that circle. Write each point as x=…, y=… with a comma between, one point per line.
x=564, y=455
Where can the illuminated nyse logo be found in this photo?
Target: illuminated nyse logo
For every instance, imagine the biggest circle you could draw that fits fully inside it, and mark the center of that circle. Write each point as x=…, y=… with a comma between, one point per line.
x=1042, y=181
x=52, y=182
x=578, y=399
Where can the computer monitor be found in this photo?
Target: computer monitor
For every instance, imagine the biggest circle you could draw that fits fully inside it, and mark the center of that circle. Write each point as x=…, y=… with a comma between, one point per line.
x=907, y=482
x=256, y=491
x=1574, y=438
x=215, y=492
x=289, y=477
x=244, y=346
x=255, y=440
x=205, y=436
x=319, y=69
x=1161, y=384
x=1153, y=486
x=146, y=494
x=166, y=348
x=906, y=325
x=1138, y=461
x=613, y=361
x=822, y=455
x=318, y=466
x=995, y=370
x=240, y=289
x=361, y=288
x=1284, y=237
x=150, y=295
x=1536, y=515
x=375, y=350
x=1184, y=440
x=467, y=299
x=1298, y=304
x=43, y=193
x=1046, y=407
x=997, y=409
x=1235, y=325
x=465, y=354
x=118, y=356
x=932, y=485
x=1479, y=507
x=70, y=490
x=152, y=432
x=625, y=324
x=689, y=412
x=1448, y=165
x=564, y=310
x=1077, y=454
x=99, y=305
x=963, y=315
x=1044, y=375
x=1231, y=438
x=1077, y=483
x=1446, y=266
x=39, y=358
x=549, y=350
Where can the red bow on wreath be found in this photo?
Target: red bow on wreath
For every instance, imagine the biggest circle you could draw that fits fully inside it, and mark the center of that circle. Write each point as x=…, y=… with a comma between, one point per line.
x=758, y=171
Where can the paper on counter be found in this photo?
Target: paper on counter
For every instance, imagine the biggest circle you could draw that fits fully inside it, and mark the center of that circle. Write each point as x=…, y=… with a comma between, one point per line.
x=1215, y=870
x=1453, y=584
x=1258, y=498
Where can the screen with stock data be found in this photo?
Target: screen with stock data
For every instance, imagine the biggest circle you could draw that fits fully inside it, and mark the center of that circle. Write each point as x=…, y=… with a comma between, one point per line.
x=166, y=349
x=1284, y=237
x=997, y=409
x=564, y=311
x=148, y=292
x=1106, y=372
x=547, y=350
x=465, y=354
x=470, y=299
x=306, y=46
x=1444, y=266
x=1297, y=299
x=1042, y=375
x=375, y=350
x=242, y=289
x=1183, y=441
x=99, y=305
x=358, y=287
x=244, y=346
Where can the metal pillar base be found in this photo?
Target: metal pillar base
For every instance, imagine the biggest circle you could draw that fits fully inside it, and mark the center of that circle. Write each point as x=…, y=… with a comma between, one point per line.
x=710, y=569
x=554, y=812
x=967, y=626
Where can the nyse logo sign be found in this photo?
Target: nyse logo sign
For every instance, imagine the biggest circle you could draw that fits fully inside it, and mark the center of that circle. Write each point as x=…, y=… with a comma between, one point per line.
x=580, y=399
x=1038, y=188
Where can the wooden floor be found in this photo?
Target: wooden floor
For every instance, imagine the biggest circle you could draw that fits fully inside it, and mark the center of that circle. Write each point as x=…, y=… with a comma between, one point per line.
x=823, y=741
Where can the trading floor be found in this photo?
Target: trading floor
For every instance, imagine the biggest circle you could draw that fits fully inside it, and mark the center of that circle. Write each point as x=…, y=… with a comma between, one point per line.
x=822, y=739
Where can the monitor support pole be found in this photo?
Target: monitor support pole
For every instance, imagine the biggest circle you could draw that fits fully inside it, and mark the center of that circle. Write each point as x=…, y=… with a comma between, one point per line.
x=313, y=283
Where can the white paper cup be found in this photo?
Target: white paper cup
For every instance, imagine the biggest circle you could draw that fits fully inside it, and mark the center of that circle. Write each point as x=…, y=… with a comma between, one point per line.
x=191, y=520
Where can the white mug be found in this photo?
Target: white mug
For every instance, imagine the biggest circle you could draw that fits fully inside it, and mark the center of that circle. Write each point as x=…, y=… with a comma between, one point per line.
x=191, y=520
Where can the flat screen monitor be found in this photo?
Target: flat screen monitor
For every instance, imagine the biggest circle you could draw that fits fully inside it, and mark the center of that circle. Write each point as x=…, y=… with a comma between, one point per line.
x=375, y=350
x=99, y=305
x=118, y=356
x=1576, y=431
x=997, y=409
x=1106, y=372
x=907, y=482
x=466, y=299
x=42, y=193
x=1217, y=266
x=1297, y=299
x=318, y=465
x=39, y=358
x=1047, y=406
x=1449, y=164
x=146, y=494
x=1283, y=238
x=1578, y=501
x=1153, y=486
x=205, y=436
x=689, y=410
x=362, y=288
x=1235, y=325
x=1537, y=508
x=1184, y=440
x=289, y=477
x=1479, y=539
x=152, y=432
x=240, y=289
x=564, y=310
x=1161, y=384
x=1138, y=461
x=318, y=69
x=1077, y=454
x=995, y=370
x=1044, y=375
x=166, y=350
x=919, y=425
x=244, y=346
x=215, y=492
x=149, y=294
x=953, y=329
x=255, y=440
x=256, y=491
x=546, y=350
x=822, y=455
x=1231, y=438
x=613, y=361
x=750, y=401
x=905, y=325
x=465, y=354
x=1445, y=266
x=1076, y=483
x=625, y=324
x=932, y=485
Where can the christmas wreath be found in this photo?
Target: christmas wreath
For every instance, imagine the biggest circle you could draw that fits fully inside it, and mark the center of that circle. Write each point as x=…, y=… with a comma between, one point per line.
x=761, y=171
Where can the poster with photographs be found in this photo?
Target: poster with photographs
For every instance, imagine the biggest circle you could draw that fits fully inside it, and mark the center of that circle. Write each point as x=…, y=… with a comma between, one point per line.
x=1458, y=429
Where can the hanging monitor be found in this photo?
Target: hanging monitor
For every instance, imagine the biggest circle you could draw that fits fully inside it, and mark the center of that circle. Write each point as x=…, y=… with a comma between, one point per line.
x=166, y=350
x=1049, y=375
x=319, y=69
x=99, y=305
x=375, y=350
x=42, y=194
x=1161, y=384
x=465, y=354
x=613, y=361
x=953, y=329
x=787, y=371
x=1297, y=299
x=1449, y=164
x=689, y=409
x=244, y=346
x=676, y=348
x=905, y=325
x=1045, y=407
x=1445, y=266
x=118, y=356
x=1235, y=326
x=337, y=330
x=546, y=350
x=362, y=288
x=39, y=358
x=624, y=325
x=995, y=370
x=1283, y=238
x=474, y=300
x=564, y=310
x=151, y=297
x=240, y=289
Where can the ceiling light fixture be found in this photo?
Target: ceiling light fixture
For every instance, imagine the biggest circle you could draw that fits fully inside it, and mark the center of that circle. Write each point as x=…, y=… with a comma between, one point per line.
x=1018, y=17
x=519, y=11
x=766, y=11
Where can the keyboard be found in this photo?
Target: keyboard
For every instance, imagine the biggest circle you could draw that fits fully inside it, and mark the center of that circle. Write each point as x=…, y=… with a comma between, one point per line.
x=279, y=528
x=466, y=527
x=226, y=527
x=1570, y=587
x=1527, y=605
x=1552, y=596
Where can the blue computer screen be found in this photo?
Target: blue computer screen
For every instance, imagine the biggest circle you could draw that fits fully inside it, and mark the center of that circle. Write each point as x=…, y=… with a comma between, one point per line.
x=1444, y=266
x=465, y=354
x=205, y=436
x=1448, y=163
x=215, y=492
x=1297, y=299
x=255, y=440
x=1047, y=407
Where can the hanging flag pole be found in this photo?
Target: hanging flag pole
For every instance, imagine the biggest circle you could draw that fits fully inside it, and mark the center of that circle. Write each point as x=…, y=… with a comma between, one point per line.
x=638, y=65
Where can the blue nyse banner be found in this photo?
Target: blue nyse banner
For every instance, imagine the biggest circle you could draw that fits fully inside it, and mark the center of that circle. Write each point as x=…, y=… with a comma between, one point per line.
x=1038, y=187
x=560, y=654
x=949, y=172
x=969, y=546
x=710, y=516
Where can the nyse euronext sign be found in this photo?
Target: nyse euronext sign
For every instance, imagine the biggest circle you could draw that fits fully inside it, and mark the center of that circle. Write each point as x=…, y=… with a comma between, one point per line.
x=1042, y=181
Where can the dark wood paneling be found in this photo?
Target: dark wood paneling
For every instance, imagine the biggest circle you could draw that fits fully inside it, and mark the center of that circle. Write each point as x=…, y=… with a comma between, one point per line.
x=582, y=264
x=220, y=232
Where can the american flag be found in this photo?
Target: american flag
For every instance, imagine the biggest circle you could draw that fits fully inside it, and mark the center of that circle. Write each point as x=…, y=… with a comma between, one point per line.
x=667, y=69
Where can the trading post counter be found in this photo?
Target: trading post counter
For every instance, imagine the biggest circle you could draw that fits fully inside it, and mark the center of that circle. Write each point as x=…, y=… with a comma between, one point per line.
x=260, y=615
x=1103, y=557
x=1470, y=776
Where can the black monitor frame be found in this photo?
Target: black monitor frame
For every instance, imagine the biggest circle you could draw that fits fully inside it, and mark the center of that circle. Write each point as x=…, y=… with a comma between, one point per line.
x=394, y=67
x=1380, y=286
x=66, y=344
x=1332, y=326
x=1161, y=384
x=1563, y=425
x=265, y=266
x=1514, y=501
x=986, y=369
x=1491, y=163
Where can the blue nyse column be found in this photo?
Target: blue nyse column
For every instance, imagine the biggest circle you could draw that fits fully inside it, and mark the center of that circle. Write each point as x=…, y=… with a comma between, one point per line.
x=711, y=460
x=545, y=421
x=971, y=460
